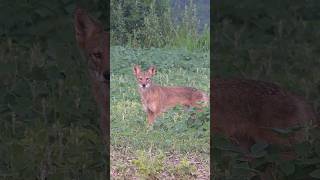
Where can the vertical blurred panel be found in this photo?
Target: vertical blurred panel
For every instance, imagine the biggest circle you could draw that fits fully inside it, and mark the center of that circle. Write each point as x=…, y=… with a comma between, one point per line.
x=51, y=97
x=265, y=89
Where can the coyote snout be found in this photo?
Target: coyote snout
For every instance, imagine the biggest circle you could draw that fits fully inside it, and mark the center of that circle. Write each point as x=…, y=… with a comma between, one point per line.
x=156, y=99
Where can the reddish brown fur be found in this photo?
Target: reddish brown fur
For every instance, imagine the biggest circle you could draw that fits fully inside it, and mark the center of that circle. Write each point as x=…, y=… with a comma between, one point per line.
x=95, y=44
x=246, y=110
x=157, y=99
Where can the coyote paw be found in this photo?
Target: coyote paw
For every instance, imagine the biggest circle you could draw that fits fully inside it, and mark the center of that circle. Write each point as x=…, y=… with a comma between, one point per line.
x=149, y=127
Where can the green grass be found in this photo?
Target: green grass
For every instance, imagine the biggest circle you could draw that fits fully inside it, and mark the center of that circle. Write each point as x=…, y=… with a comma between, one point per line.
x=174, y=132
x=154, y=24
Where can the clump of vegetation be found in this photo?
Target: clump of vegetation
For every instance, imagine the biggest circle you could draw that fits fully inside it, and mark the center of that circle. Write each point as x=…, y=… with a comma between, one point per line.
x=149, y=166
x=184, y=169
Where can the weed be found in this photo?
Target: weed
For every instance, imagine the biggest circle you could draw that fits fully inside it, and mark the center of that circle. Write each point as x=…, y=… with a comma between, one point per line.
x=149, y=166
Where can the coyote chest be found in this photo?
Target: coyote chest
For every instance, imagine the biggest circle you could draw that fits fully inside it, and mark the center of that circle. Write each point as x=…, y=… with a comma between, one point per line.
x=157, y=99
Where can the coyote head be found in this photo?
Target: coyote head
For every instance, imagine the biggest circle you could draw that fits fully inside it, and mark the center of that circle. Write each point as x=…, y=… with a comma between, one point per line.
x=94, y=42
x=144, y=78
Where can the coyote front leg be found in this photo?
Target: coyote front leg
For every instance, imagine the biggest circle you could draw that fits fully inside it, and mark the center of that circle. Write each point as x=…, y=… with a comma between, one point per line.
x=151, y=117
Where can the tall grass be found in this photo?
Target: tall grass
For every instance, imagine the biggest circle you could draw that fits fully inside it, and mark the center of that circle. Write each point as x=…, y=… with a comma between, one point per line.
x=153, y=25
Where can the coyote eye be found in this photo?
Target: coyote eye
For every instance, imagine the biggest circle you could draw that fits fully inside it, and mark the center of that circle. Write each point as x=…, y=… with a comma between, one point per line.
x=148, y=79
x=97, y=55
x=140, y=79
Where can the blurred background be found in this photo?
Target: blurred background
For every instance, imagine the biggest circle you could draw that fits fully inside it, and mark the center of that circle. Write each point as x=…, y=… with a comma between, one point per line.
x=48, y=118
x=275, y=41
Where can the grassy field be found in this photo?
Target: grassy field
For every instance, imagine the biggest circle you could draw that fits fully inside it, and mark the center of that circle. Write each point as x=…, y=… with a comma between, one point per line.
x=178, y=145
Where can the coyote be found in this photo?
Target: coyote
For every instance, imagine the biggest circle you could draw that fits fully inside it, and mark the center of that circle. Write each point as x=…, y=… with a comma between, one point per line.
x=249, y=111
x=157, y=99
x=95, y=44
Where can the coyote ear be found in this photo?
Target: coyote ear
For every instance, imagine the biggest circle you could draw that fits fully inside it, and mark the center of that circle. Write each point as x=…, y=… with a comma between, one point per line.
x=152, y=70
x=85, y=26
x=136, y=70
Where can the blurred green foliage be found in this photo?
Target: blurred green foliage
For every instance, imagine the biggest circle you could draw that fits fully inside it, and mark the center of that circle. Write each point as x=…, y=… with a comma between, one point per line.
x=276, y=41
x=48, y=120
